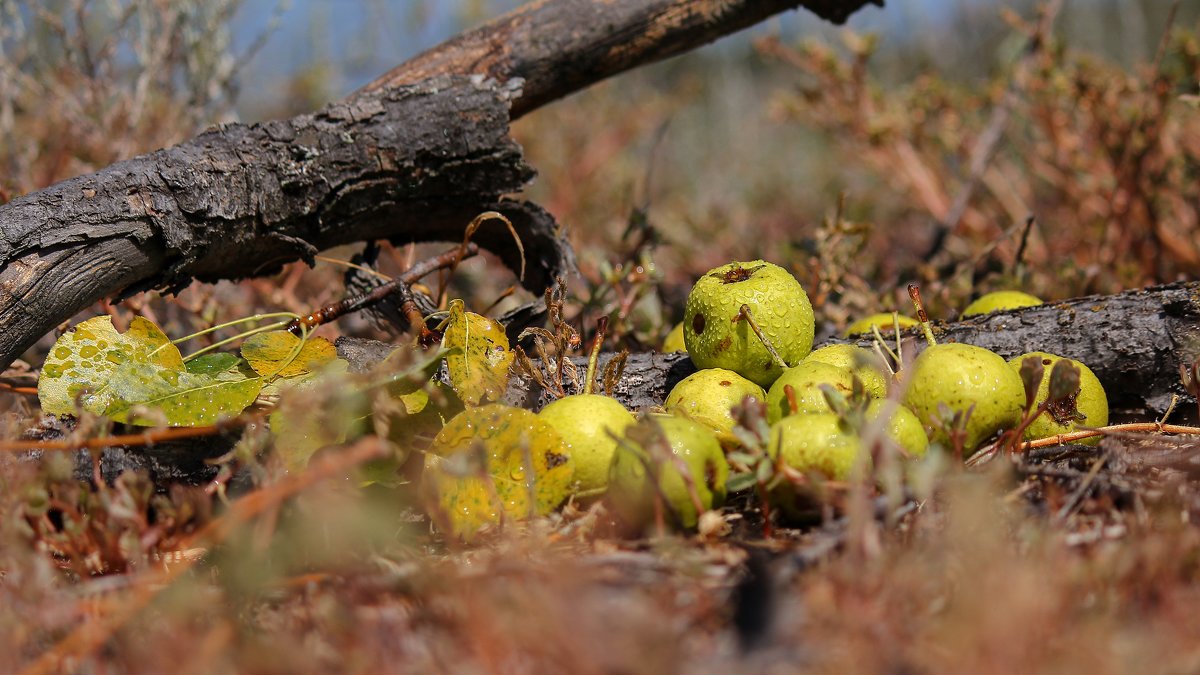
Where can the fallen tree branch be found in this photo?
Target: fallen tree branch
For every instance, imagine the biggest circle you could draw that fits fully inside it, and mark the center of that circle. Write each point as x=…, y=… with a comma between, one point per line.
x=408, y=162
x=561, y=47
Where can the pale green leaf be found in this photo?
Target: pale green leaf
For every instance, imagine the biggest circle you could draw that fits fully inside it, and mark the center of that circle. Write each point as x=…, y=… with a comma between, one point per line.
x=148, y=394
x=85, y=357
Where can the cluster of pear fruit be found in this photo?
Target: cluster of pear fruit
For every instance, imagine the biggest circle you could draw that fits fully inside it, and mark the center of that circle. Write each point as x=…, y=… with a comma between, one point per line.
x=749, y=329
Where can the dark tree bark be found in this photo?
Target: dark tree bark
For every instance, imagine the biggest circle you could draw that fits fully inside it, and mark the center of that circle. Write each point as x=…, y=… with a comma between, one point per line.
x=413, y=159
x=413, y=163
x=559, y=47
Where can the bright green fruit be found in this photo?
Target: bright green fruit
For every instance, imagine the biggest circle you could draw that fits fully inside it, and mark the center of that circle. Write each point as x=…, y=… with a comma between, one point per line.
x=513, y=441
x=858, y=361
x=631, y=493
x=961, y=376
x=806, y=380
x=1091, y=401
x=674, y=340
x=717, y=335
x=815, y=443
x=1000, y=300
x=708, y=395
x=902, y=426
x=587, y=423
x=884, y=321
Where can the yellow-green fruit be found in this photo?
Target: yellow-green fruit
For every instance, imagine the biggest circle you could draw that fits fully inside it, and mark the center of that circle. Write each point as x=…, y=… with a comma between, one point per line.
x=631, y=494
x=884, y=321
x=590, y=425
x=708, y=395
x=1091, y=401
x=513, y=440
x=674, y=340
x=1001, y=300
x=858, y=361
x=806, y=380
x=961, y=376
x=718, y=336
x=815, y=443
x=902, y=426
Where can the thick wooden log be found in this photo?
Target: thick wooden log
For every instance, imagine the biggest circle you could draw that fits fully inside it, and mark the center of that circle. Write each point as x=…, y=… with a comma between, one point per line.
x=412, y=159
x=413, y=163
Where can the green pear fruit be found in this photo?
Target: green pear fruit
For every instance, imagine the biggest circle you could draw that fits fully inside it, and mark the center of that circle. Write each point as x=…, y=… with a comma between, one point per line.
x=861, y=362
x=1000, y=300
x=674, y=340
x=806, y=380
x=1091, y=401
x=815, y=443
x=477, y=468
x=902, y=426
x=883, y=320
x=589, y=424
x=963, y=377
x=707, y=396
x=717, y=335
x=631, y=490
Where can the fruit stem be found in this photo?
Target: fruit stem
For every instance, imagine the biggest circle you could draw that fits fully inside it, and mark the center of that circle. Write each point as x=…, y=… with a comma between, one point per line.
x=746, y=314
x=594, y=358
x=914, y=292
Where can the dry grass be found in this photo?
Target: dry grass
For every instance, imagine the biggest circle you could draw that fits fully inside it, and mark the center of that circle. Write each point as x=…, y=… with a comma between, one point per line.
x=1041, y=565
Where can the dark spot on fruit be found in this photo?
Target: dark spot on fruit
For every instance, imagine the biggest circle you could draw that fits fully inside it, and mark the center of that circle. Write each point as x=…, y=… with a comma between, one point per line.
x=710, y=475
x=698, y=323
x=724, y=383
x=725, y=344
x=1064, y=411
x=738, y=273
x=1046, y=362
x=554, y=459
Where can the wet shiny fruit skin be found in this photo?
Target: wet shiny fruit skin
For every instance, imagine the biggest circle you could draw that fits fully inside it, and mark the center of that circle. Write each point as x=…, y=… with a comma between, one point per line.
x=902, y=426
x=1092, y=401
x=708, y=395
x=586, y=423
x=806, y=380
x=1001, y=300
x=631, y=494
x=860, y=362
x=512, y=440
x=961, y=376
x=717, y=337
x=815, y=443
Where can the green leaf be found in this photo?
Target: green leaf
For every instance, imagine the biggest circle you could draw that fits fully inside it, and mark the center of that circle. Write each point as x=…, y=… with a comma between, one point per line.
x=478, y=357
x=85, y=357
x=741, y=481
x=179, y=397
x=212, y=363
x=269, y=353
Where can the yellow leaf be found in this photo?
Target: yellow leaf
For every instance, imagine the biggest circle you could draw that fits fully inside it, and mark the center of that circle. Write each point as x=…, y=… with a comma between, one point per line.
x=268, y=353
x=477, y=356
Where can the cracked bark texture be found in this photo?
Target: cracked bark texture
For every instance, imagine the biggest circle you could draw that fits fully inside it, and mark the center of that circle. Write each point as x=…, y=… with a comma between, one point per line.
x=412, y=159
x=561, y=46
x=412, y=163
